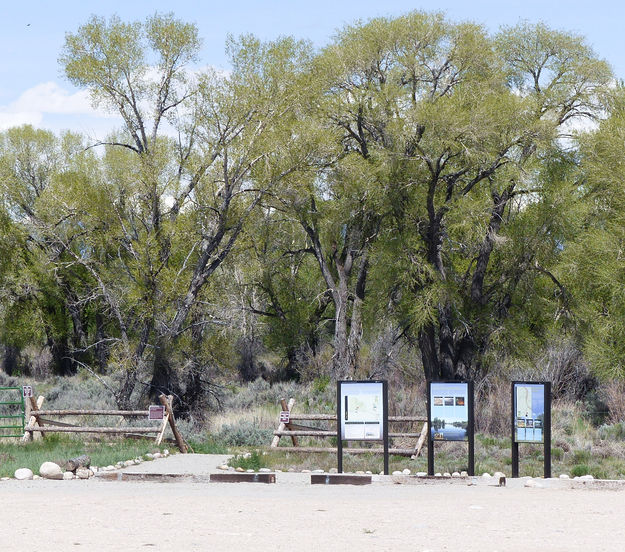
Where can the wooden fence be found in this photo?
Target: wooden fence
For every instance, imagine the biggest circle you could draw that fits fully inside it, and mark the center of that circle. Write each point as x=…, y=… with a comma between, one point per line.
x=296, y=430
x=39, y=420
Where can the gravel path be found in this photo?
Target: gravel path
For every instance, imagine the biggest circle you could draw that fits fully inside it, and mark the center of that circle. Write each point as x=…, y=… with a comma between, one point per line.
x=98, y=515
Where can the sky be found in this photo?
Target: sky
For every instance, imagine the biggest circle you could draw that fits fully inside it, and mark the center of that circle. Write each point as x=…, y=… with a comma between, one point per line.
x=32, y=32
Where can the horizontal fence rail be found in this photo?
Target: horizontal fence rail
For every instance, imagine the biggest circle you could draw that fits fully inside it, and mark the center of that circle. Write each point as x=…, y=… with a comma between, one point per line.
x=294, y=430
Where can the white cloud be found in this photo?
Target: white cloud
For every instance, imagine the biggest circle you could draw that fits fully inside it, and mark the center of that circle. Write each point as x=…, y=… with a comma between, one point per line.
x=48, y=98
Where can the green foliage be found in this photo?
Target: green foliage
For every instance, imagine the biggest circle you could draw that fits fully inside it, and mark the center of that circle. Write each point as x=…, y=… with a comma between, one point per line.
x=249, y=461
x=244, y=434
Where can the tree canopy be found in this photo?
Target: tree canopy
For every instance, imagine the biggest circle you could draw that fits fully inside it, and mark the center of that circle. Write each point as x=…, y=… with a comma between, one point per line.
x=416, y=183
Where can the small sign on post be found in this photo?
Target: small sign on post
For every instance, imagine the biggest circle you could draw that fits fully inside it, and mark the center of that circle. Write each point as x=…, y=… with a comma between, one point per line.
x=156, y=412
x=27, y=391
x=285, y=417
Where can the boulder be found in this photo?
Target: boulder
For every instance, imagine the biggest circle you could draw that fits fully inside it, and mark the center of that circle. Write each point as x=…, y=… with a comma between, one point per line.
x=50, y=470
x=83, y=473
x=68, y=475
x=406, y=471
x=23, y=474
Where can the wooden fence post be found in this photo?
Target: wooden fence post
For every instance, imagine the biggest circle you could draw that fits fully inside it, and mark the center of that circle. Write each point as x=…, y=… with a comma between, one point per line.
x=167, y=402
x=282, y=426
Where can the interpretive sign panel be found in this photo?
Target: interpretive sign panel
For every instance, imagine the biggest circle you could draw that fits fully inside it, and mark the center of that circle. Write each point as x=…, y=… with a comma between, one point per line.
x=362, y=415
x=531, y=419
x=362, y=411
x=529, y=412
x=449, y=411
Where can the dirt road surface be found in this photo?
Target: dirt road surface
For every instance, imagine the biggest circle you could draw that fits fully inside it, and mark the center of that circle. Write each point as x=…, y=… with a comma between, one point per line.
x=97, y=515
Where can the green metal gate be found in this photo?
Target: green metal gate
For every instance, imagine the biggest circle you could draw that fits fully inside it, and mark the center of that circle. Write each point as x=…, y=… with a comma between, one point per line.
x=12, y=412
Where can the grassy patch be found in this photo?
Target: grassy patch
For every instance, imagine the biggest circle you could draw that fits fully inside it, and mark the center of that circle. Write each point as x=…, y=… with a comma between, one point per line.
x=249, y=461
x=60, y=448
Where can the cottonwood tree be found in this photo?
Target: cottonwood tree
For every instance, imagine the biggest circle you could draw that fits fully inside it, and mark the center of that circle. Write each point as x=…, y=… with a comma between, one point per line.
x=593, y=261
x=461, y=123
x=176, y=198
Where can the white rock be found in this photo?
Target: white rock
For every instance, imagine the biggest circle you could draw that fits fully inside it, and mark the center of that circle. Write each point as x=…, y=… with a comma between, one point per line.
x=5, y=478
x=499, y=474
x=246, y=455
x=446, y=474
x=109, y=468
x=406, y=471
x=397, y=473
x=35, y=477
x=455, y=474
x=291, y=470
x=421, y=474
x=94, y=469
x=564, y=476
x=587, y=477
x=486, y=475
x=464, y=474
x=533, y=484
x=438, y=474
x=360, y=472
x=83, y=473
x=368, y=472
x=157, y=455
x=165, y=452
x=67, y=476
x=129, y=463
x=382, y=472
x=306, y=471
x=223, y=467
x=23, y=474
x=267, y=470
x=314, y=471
x=240, y=470
x=250, y=471
x=149, y=456
x=334, y=470
x=137, y=461
x=50, y=470
x=278, y=471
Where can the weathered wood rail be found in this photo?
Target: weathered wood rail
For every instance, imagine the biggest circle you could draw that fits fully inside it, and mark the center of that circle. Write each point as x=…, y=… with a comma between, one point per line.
x=40, y=421
x=294, y=430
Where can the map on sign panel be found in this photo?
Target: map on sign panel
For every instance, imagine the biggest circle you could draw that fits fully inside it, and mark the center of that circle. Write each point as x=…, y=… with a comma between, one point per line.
x=524, y=402
x=362, y=408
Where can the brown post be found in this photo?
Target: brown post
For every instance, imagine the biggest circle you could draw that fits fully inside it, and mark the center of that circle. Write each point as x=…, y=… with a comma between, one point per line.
x=167, y=401
x=33, y=418
x=282, y=426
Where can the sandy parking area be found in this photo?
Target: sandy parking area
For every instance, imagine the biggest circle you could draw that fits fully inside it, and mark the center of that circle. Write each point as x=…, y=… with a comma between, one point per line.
x=49, y=516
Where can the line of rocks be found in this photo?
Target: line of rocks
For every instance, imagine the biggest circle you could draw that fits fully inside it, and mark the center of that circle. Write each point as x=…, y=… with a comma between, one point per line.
x=52, y=470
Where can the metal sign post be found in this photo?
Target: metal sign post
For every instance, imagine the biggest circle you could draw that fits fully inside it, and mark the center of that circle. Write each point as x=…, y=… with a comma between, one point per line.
x=531, y=420
x=362, y=415
x=451, y=417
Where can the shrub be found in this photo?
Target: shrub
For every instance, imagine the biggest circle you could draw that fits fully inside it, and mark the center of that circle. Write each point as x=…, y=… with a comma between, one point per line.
x=248, y=461
x=244, y=434
x=579, y=470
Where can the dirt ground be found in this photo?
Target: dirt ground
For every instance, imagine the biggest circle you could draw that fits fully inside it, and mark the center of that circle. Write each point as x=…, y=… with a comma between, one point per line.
x=50, y=516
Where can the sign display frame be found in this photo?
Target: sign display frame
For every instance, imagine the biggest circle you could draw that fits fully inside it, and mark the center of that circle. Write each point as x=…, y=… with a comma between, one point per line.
x=362, y=415
x=156, y=412
x=531, y=420
x=450, y=408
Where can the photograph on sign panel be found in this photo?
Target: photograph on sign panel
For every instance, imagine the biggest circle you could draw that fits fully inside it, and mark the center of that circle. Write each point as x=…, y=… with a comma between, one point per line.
x=362, y=411
x=529, y=411
x=450, y=416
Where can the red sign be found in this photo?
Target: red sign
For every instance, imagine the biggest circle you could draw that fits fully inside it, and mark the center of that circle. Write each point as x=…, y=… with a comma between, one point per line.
x=285, y=416
x=156, y=412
